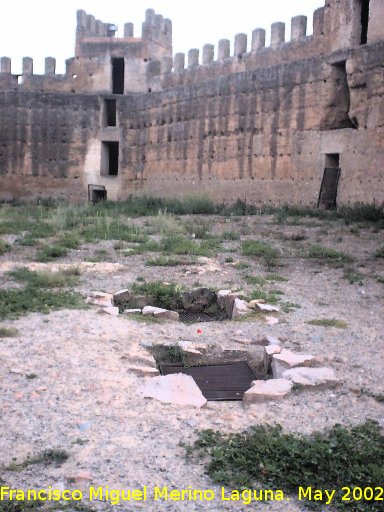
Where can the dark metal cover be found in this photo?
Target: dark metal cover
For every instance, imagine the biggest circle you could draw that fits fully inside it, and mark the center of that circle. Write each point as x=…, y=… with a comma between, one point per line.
x=227, y=381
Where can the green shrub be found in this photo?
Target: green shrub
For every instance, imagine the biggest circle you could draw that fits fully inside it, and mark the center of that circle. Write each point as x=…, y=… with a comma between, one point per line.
x=342, y=457
x=178, y=244
x=4, y=247
x=325, y=253
x=260, y=249
x=329, y=322
x=380, y=252
x=51, y=252
x=167, y=296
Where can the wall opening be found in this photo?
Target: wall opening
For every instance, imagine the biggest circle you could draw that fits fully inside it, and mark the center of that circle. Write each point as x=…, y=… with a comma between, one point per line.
x=109, y=158
x=97, y=193
x=109, y=113
x=329, y=185
x=364, y=19
x=118, y=76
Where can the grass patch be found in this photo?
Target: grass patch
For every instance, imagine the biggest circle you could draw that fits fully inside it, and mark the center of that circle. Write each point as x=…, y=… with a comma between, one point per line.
x=329, y=322
x=261, y=249
x=325, y=253
x=163, y=261
x=275, y=278
x=47, y=458
x=8, y=332
x=61, y=279
x=242, y=265
x=353, y=276
x=178, y=244
x=17, y=302
x=230, y=235
x=288, y=307
x=379, y=397
x=341, y=457
x=271, y=297
x=198, y=228
x=255, y=280
x=380, y=252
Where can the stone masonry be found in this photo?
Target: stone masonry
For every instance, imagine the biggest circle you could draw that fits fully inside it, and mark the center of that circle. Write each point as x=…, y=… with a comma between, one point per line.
x=270, y=125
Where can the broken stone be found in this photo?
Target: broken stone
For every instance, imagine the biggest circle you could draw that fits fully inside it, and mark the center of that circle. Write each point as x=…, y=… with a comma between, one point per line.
x=177, y=389
x=254, y=303
x=286, y=360
x=221, y=294
x=263, y=307
x=144, y=371
x=269, y=351
x=229, y=301
x=101, y=295
x=103, y=302
x=311, y=377
x=151, y=310
x=167, y=314
x=240, y=308
x=114, y=311
x=198, y=300
x=263, y=390
x=132, y=312
x=82, y=476
x=121, y=297
x=271, y=320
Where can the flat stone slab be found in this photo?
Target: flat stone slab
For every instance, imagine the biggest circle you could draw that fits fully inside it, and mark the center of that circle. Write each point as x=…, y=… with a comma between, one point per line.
x=113, y=311
x=144, y=371
x=269, y=352
x=287, y=360
x=264, y=390
x=132, y=312
x=151, y=310
x=167, y=314
x=176, y=389
x=240, y=308
x=311, y=377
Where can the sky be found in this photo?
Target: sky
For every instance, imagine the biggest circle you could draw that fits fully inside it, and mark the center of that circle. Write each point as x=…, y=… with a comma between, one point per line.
x=46, y=28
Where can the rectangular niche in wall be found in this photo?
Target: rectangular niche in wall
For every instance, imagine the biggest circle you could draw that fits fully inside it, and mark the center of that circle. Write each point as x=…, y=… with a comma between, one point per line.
x=118, y=75
x=109, y=158
x=109, y=113
x=97, y=193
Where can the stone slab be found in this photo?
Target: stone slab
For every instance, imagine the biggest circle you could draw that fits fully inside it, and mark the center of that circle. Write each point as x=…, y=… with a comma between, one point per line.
x=176, y=389
x=264, y=390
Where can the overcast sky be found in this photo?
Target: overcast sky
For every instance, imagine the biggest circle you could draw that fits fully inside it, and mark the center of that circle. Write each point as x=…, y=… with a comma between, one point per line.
x=40, y=28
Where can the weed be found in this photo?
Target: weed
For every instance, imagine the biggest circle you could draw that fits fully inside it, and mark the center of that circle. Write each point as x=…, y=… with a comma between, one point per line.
x=31, y=376
x=380, y=252
x=329, y=322
x=270, y=297
x=165, y=223
x=60, y=279
x=118, y=245
x=8, y=332
x=341, y=457
x=4, y=247
x=27, y=241
x=379, y=397
x=198, y=228
x=353, y=276
x=230, y=235
x=380, y=279
x=17, y=302
x=288, y=307
x=275, y=278
x=361, y=212
x=228, y=259
x=166, y=296
x=242, y=265
x=51, y=252
x=255, y=280
x=47, y=458
x=261, y=249
x=325, y=253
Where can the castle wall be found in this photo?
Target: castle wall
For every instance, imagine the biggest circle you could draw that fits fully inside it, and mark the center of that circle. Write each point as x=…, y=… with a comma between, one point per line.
x=256, y=125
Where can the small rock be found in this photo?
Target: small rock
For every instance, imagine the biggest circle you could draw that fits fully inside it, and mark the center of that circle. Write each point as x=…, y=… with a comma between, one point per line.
x=239, y=309
x=177, y=389
x=103, y=302
x=121, y=297
x=101, y=295
x=17, y=371
x=264, y=390
x=166, y=314
x=271, y=320
x=269, y=351
x=286, y=360
x=198, y=300
x=272, y=340
x=220, y=297
x=311, y=377
x=132, y=312
x=82, y=476
x=85, y=426
x=151, y=310
x=264, y=307
x=114, y=311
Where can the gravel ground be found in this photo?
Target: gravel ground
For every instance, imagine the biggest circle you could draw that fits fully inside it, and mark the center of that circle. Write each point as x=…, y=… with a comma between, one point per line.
x=84, y=399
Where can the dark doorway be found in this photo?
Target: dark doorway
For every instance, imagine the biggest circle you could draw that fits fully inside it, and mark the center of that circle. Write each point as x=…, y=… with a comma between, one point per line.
x=118, y=76
x=96, y=193
x=109, y=158
x=364, y=21
x=109, y=113
x=227, y=381
x=330, y=182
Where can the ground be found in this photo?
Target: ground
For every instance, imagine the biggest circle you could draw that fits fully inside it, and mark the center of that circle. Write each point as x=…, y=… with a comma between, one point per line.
x=65, y=377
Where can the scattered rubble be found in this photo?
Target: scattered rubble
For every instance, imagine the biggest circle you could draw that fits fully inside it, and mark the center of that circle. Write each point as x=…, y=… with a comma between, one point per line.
x=264, y=390
x=311, y=377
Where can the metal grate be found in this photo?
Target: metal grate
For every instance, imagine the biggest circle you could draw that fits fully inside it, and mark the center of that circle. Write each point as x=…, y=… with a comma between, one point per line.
x=193, y=317
x=226, y=381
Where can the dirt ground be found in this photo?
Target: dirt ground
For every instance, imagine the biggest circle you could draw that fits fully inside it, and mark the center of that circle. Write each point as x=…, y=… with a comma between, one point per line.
x=83, y=397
